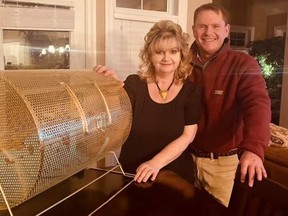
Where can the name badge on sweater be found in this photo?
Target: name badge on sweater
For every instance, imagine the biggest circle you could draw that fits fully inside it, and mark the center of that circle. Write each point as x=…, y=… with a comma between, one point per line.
x=218, y=92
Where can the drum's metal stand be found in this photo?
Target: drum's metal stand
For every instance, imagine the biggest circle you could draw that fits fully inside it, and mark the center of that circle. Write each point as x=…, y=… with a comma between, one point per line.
x=113, y=169
x=5, y=200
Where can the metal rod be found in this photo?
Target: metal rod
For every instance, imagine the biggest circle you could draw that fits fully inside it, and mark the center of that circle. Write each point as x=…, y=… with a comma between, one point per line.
x=57, y=203
x=6, y=201
x=112, y=197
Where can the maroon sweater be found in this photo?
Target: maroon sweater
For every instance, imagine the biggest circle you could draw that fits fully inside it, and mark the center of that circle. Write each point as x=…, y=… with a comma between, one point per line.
x=235, y=106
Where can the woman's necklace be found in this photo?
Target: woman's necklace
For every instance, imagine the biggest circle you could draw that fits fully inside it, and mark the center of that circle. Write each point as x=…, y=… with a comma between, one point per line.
x=163, y=93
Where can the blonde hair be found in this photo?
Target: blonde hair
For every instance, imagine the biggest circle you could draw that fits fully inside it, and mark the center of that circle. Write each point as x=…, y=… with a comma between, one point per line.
x=165, y=29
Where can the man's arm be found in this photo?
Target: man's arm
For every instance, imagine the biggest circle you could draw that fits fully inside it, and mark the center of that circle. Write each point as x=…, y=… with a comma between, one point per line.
x=255, y=102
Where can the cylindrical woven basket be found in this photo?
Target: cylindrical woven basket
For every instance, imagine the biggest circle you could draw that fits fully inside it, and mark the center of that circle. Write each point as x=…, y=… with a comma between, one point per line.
x=53, y=123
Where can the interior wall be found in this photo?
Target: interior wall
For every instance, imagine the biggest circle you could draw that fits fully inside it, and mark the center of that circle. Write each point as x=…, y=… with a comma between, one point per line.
x=241, y=11
x=2, y=64
x=246, y=13
x=259, y=21
x=100, y=30
x=273, y=21
x=77, y=52
x=284, y=96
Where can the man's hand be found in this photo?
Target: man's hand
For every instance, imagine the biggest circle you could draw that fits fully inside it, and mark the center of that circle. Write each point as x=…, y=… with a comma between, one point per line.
x=105, y=71
x=252, y=165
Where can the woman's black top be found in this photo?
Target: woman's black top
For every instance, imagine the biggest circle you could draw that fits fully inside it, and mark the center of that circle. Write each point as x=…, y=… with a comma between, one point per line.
x=155, y=125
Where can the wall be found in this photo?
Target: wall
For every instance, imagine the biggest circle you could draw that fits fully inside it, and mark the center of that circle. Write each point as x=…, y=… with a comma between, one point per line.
x=273, y=21
x=77, y=52
x=241, y=11
x=100, y=31
x=284, y=96
x=88, y=37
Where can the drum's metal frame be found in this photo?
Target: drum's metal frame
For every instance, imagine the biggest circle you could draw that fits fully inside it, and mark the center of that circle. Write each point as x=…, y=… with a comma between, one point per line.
x=70, y=117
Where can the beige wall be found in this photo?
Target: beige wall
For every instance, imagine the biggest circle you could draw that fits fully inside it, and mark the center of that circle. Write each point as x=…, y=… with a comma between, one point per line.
x=273, y=21
x=258, y=20
x=241, y=10
x=100, y=52
x=100, y=31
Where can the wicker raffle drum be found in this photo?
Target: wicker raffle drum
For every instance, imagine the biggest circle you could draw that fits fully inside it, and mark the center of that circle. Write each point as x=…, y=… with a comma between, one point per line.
x=53, y=123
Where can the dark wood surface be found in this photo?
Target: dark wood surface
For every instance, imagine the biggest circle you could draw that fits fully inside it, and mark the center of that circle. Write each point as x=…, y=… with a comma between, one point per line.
x=266, y=197
x=169, y=195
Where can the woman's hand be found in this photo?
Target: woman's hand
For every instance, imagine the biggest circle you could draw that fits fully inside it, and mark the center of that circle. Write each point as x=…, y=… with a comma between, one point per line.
x=168, y=154
x=145, y=171
x=101, y=69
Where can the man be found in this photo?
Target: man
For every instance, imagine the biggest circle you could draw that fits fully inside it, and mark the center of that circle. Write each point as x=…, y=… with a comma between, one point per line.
x=235, y=111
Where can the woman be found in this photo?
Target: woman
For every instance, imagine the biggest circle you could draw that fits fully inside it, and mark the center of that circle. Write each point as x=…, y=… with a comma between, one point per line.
x=165, y=106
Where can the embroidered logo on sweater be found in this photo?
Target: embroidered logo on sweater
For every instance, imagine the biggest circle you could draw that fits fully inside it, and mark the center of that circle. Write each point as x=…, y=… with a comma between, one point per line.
x=218, y=92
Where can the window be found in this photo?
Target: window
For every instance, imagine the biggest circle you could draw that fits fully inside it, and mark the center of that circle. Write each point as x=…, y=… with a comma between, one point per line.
x=240, y=36
x=237, y=39
x=33, y=49
x=280, y=31
x=166, y=6
x=31, y=41
x=159, y=5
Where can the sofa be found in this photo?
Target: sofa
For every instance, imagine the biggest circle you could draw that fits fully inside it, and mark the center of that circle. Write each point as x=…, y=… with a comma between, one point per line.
x=276, y=155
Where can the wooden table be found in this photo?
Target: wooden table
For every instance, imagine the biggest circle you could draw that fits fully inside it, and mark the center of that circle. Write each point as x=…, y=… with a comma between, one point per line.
x=170, y=195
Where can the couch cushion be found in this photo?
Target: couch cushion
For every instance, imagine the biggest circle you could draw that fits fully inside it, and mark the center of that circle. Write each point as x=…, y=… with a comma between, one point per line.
x=278, y=136
x=277, y=155
x=277, y=151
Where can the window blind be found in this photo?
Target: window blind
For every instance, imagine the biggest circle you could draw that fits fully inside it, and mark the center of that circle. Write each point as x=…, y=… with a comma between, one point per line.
x=36, y=18
x=44, y=2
